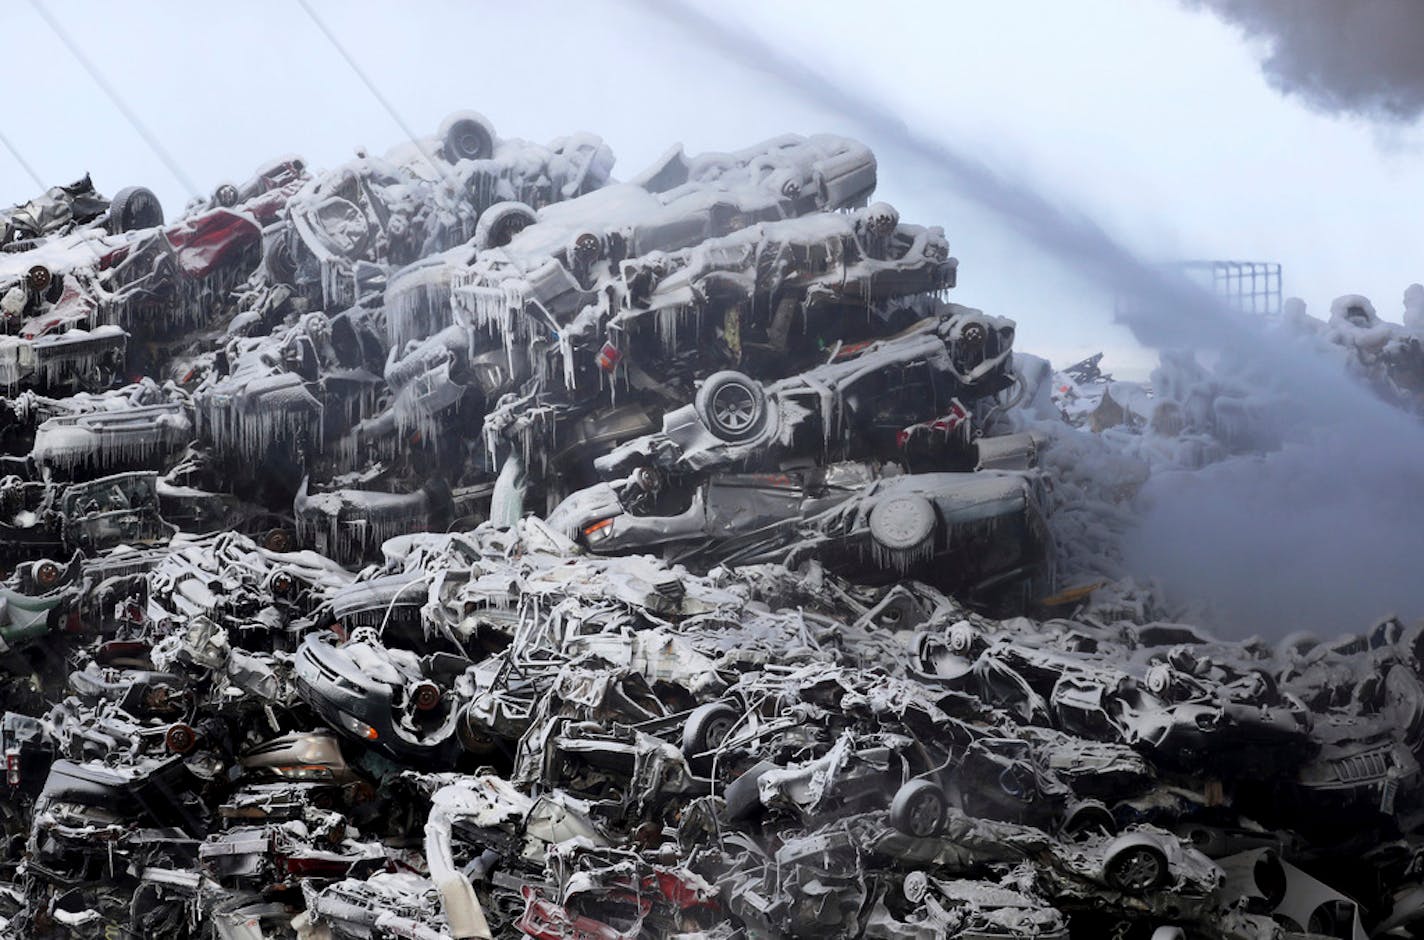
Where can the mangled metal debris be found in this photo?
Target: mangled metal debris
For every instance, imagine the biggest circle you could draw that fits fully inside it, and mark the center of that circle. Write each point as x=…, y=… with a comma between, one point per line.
x=464, y=543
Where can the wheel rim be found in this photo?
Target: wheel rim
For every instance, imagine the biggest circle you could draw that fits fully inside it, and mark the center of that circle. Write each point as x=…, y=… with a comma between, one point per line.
x=924, y=815
x=468, y=142
x=1140, y=869
x=427, y=696
x=734, y=408
x=180, y=739
x=717, y=731
x=509, y=228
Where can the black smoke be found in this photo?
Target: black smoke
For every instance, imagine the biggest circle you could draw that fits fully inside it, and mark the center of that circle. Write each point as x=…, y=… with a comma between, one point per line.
x=1361, y=57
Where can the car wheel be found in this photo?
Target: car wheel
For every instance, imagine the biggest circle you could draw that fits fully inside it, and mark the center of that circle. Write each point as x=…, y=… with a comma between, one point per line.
x=1087, y=818
x=500, y=223
x=279, y=540
x=226, y=195
x=1136, y=869
x=467, y=136
x=919, y=809
x=38, y=279
x=474, y=736
x=280, y=262
x=180, y=738
x=903, y=523
x=132, y=208
x=743, y=795
x=707, y=727
x=732, y=406
x=48, y=574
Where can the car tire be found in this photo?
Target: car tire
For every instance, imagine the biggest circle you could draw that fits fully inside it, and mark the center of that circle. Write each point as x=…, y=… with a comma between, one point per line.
x=706, y=728
x=732, y=405
x=280, y=540
x=743, y=795
x=500, y=223
x=919, y=809
x=1086, y=818
x=467, y=135
x=55, y=289
x=903, y=523
x=1136, y=869
x=279, y=261
x=132, y=208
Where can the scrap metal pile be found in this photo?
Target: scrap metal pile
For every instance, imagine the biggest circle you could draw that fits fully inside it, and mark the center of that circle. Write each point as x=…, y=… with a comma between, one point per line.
x=466, y=544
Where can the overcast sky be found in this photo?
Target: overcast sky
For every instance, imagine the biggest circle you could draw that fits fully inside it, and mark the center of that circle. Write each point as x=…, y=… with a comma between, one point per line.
x=1153, y=118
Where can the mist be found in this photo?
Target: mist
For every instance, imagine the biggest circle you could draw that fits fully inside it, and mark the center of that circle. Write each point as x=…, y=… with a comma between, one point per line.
x=1317, y=536
x=1356, y=57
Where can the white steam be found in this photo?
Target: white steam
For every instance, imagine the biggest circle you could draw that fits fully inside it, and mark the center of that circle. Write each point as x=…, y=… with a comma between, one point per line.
x=1324, y=532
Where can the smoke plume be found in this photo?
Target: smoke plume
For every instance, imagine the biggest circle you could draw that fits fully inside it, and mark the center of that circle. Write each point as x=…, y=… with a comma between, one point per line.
x=1357, y=57
x=1323, y=539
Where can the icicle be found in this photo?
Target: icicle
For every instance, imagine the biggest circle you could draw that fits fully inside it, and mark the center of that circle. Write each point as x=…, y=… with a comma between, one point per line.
x=507, y=502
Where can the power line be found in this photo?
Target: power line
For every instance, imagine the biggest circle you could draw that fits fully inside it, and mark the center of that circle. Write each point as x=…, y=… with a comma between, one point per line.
x=371, y=87
x=24, y=164
x=113, y=96
x=40, y=183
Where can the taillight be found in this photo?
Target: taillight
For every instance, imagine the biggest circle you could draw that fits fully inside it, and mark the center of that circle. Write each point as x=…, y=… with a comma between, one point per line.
x=608, y=357
x=12, y=768
x=304, y=772
x=598, y=531
x=357, y=727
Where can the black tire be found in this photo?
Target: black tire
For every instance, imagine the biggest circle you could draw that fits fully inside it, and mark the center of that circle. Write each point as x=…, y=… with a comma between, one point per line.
x=903, y=523
x=1087, y=818
x=466, y=135
x=706, y=728
x=500, y=223
x=226, y=195
x=732, y=405
x=55, y=289
x=280, y=263
x=743, y=796
x=132, y=208
x=919, y=809
x=38, y=280
x=1136, y=869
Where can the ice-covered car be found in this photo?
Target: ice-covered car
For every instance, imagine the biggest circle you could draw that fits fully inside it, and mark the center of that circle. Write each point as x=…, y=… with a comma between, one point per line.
x=982, y=535
x=773, y=297
x=380, y=696
x=133, y=439
x=150, y=284
x=350, y=524
x=343, y=232
x=854, y=407
x=967, y=908
x=63, y=208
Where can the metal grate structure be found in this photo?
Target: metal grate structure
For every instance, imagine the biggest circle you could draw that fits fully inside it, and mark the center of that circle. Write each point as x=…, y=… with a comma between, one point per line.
x=1248, y=286
x=1252, y=287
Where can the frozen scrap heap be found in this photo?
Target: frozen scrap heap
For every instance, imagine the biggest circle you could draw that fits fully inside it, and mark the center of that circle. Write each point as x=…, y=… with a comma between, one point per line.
x=464, y=543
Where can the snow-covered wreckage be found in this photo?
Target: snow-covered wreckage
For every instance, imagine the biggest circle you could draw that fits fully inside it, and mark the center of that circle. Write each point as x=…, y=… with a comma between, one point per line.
x=465, y=543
